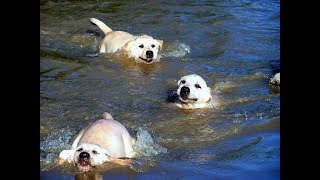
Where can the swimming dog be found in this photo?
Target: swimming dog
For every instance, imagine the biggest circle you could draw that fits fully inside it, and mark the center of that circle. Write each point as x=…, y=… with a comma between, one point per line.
x=193, y=93
x=275, y=80
x=143, y=48
x=105, y=140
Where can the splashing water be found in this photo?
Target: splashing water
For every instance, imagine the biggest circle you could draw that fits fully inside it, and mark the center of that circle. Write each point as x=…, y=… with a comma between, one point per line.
x=176, y=50
x=52, y=145
x=147, y=149
x=145, y=146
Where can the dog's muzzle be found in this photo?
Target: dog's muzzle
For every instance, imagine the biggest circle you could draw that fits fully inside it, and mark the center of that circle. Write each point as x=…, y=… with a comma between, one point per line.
x=84, y=159
x=149, y=54
x=149, y=57
x=274, y=82
x=184, y=92
x=147, y=60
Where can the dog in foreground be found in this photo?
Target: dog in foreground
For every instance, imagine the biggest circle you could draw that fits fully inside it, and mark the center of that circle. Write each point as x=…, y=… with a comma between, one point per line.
x=275, y=80
x=193, y=93
x=142, y=48
x=105, y=140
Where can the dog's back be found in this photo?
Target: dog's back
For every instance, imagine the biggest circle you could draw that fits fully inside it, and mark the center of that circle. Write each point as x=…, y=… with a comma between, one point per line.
x=110, y=135
x=113, y=40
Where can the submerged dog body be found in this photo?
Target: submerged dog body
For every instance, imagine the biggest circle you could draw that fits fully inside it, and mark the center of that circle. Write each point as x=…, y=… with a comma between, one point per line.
x=104, y=140
x=193, y=93
x=142, y=48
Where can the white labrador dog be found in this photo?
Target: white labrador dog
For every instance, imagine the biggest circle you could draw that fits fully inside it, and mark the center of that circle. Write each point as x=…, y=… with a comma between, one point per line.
x=275, y=80
x=105, y=140
x=193, y=93
x=142, y=48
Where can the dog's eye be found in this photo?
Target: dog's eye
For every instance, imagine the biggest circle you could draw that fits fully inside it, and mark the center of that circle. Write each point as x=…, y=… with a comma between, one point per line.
x=80, y=149
x=183, y=81
x=152, y=45
x=141, y=46
x=95, y=152
x=197, y=86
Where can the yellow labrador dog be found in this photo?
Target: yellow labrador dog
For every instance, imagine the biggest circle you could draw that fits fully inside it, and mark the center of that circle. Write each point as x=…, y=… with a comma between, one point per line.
x=275, y=80
x=194, y=93
x=105, y=140
x=142, y=48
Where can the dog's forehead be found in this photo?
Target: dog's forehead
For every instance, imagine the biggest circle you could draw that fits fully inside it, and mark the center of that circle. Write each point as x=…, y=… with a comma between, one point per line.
x=89, y=147
x=145, y=39
x=193, y=79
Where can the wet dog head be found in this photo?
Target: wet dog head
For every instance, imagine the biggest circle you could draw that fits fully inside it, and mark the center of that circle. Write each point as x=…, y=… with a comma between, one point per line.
x=144, y=49
x=193, y=89
x=85, y=156
x=275, y=80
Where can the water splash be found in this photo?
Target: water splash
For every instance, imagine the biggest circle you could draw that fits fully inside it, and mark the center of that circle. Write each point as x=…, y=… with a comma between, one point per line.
x=224, y=87
x=145, y=146
x=147, y=149
x=52, y=145
x=176, y=49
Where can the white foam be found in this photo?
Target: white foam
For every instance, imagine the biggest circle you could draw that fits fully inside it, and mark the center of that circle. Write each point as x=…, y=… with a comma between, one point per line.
x=176, y=50
x=51, y=146
x=145, y=145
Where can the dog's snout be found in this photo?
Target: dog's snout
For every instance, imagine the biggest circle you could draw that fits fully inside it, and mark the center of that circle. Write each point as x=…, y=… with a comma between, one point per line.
x=84, y=155
x=149, y=54
x=185, y=90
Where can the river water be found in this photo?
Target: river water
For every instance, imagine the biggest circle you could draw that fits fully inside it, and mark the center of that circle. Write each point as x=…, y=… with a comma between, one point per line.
x=234, y=45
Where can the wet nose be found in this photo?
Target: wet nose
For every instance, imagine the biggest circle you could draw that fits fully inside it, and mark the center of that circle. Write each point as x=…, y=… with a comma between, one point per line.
x=149, y=54
x=184, y=91
x=84, y=155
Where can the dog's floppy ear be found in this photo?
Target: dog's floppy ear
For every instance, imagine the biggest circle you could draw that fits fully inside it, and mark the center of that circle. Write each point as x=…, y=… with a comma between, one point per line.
x=102, y=157
x=179, y=82
x=127, y=46
x=160, y=43
x=67, y=155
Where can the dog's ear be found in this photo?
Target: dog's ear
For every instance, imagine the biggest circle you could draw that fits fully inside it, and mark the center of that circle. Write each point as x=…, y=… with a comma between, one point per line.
x=103, y=157
x=160, y=43
x=127, y=46
x=67, y=155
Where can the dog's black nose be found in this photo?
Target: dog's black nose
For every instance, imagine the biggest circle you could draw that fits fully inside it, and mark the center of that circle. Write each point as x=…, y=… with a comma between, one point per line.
x=184, y=92
x=149, y=54
x=84, y=155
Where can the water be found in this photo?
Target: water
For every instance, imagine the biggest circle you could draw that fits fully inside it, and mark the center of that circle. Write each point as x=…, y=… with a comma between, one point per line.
x=233, y=45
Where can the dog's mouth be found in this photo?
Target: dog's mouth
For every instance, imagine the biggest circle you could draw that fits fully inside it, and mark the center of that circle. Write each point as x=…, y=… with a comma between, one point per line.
x=187, y=100
x=83, y=162
x=274, y=82
x=184, y=97
x=147, y=60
